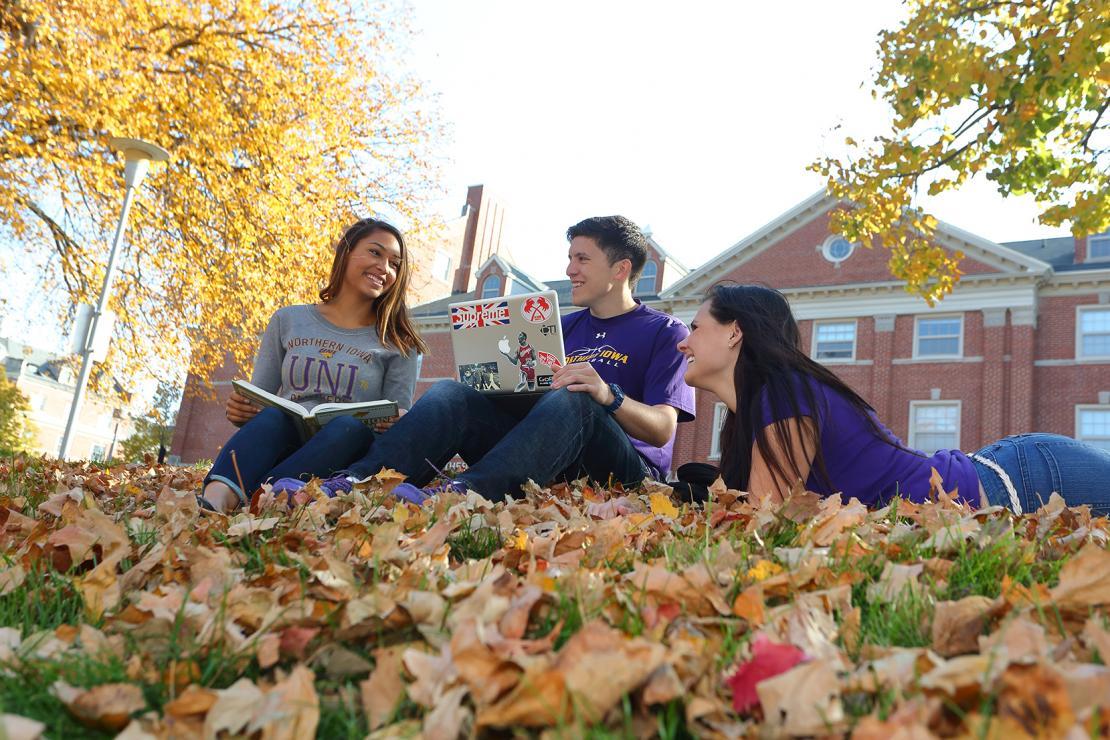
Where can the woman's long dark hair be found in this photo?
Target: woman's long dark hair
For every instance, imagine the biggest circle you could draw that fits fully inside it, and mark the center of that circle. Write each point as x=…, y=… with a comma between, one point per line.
x=771, y=358
x=391, y=314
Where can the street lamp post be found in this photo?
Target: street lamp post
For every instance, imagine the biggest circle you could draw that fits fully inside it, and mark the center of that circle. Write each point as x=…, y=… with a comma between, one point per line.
x=137, y=156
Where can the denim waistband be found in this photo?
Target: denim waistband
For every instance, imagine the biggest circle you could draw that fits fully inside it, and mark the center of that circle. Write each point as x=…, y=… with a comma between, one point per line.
x=996, y=483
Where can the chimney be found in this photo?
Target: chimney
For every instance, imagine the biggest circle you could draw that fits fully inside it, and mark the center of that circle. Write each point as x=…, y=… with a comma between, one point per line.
x=473, y=211
x=485, y=222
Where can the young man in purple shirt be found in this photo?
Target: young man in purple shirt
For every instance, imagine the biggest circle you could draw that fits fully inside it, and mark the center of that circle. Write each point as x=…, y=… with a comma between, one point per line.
x=613, y=409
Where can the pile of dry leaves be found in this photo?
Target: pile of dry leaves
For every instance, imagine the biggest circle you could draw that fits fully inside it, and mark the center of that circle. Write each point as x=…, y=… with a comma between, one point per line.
x=572, y=610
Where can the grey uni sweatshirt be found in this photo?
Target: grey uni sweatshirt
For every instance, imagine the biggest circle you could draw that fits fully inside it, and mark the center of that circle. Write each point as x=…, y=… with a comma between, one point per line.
x=307, y=359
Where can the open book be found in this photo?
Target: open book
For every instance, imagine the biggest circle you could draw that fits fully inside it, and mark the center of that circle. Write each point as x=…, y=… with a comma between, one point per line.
x=310, y=422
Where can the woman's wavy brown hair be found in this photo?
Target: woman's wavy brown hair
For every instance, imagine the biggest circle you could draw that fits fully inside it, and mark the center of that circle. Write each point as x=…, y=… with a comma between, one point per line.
x=392, y=315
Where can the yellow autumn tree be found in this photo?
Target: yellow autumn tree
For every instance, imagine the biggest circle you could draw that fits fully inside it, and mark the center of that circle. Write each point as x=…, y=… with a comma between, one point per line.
x=1017, y=91
x=283, y=119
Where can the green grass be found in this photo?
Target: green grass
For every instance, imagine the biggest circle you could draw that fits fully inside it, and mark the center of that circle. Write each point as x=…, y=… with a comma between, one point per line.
x=979, y=572
x=45, y=600
x=25, y=690
x=475, y=544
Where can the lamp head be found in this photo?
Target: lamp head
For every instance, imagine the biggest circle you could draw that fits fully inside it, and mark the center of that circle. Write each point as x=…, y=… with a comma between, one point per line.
x=137, y=155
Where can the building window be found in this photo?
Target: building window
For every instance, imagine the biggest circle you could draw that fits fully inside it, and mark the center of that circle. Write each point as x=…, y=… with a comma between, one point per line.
x=38, y=402
x=1093, y=332
x=97, y=454
x=834, y=341
x=836, y=249
x=1098, y=247
x=1092, y=425
x=646, y=284
x=719, y=412
x=491, y=288
x=934, y=425
x=938, y=336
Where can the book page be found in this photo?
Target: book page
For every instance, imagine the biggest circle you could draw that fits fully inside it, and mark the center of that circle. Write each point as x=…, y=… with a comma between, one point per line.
x=265, y=398
x=367, y=412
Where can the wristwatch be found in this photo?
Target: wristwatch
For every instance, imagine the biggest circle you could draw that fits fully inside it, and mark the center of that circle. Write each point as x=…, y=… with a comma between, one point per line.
x=618, y=398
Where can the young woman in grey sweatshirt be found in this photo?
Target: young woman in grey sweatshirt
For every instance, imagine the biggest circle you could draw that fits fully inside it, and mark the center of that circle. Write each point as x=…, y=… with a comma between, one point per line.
x=356, y=344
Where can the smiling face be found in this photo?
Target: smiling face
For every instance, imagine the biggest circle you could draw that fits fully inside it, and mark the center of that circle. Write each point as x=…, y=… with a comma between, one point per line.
x=711, y=350
x=592, y=278
x=373, y=264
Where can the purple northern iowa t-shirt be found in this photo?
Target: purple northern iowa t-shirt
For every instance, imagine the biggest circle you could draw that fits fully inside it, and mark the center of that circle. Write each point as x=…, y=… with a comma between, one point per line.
x=637, y=351
x=863, y=466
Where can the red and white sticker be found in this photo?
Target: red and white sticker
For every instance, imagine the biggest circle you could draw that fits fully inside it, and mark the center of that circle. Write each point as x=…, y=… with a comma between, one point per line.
x=537, y=309
x=548, y=359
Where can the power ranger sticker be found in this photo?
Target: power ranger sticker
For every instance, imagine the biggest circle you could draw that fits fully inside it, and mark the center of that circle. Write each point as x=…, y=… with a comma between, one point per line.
x=536, y=309
x=479, y=315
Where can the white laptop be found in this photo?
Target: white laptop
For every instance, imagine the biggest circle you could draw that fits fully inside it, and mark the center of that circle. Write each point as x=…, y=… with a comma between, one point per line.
x=509, y=344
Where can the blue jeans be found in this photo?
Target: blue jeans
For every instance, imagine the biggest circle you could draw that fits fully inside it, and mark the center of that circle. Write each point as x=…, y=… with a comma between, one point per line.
x=564, y=436
x=269, y=447
x=1040, y=464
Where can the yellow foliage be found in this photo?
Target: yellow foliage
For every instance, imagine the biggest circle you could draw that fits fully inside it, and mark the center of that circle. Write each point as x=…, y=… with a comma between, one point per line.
x=283, y=120
x=1019, y=90
x=661, y=505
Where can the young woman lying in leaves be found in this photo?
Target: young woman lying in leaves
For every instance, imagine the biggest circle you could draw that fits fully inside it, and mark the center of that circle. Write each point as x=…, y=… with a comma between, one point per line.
x=356, y=344
x=790, y=419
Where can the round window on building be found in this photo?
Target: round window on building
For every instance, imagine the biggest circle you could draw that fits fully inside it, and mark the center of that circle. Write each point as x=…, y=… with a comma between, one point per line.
x=836, y=249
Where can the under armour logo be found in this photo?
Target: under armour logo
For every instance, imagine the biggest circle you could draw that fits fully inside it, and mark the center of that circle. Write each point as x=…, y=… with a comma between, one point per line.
x=599, y=335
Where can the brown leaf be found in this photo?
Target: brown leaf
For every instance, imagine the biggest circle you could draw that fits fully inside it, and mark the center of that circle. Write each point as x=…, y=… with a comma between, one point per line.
x=596, y=667
x=897, y=580
x=958, y=624
x=833, y=519
x=233, y=708
x=14, y=727
x=487, y=674
x=100, y=586
x=446, y=720
x=803, y=701
x=1084, y=580
x=515, y=621
x=105, y=707
x=382, y=692
x=1088, y=685
x=749, y=605
x=269, y=651
x=1032, y=701
x=1097, y=638
x=194, y=700
x=1018, y=639
x=290, y=710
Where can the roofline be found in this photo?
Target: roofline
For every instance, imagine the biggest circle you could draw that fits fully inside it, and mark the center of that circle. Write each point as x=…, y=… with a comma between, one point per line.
x=509, y=269
x=751, y=239
x=822, y=201
x=1030, y=264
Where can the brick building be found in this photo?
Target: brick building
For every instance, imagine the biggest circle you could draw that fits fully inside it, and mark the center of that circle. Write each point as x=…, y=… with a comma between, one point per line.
x=1022, y=344
x=48, y=382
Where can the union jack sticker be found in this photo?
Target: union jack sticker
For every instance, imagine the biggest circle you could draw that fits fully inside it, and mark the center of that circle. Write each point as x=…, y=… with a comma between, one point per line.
x=479, y=315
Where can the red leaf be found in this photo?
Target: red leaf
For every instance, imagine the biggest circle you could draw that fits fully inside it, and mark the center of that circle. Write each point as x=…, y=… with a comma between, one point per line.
x=768, y=660
x=294, y=640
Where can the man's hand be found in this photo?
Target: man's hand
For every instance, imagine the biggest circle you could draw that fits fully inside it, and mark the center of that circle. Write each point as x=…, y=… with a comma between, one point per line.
x=382, y=424
x=580, y=377
x=239, y=410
